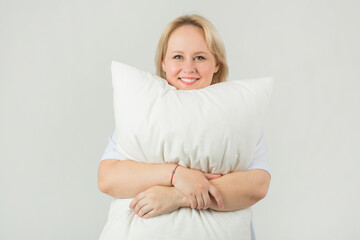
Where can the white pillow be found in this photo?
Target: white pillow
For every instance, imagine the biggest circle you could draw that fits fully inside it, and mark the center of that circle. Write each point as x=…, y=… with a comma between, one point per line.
x=214, y=129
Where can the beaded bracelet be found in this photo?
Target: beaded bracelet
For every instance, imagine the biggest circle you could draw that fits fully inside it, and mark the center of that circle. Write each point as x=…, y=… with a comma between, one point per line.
x=172, y=175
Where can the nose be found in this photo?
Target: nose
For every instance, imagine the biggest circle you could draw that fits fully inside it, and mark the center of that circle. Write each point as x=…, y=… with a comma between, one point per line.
x=189, y=66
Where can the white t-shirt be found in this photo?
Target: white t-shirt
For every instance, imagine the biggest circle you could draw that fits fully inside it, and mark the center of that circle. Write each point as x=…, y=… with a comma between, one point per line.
x=259, y=160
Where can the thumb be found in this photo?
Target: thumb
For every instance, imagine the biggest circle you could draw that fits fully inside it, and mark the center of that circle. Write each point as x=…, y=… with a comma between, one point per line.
x=212, y=175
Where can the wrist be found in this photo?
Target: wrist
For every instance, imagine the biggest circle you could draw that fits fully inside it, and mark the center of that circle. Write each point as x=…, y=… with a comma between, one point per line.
x=172, y=175
x=165, y=173
x=175, y=174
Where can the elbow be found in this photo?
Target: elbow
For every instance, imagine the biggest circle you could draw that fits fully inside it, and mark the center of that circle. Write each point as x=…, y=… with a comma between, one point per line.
x=261, y=194
x=103, y=172
x=101, y=185
x=263, y=183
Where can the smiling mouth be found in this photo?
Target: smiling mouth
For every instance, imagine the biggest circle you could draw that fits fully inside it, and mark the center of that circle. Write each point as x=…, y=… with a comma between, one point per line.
x=188, y=81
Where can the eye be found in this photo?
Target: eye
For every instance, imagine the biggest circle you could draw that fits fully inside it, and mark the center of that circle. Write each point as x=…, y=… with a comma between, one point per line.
x=200, y=58
x=177, y=56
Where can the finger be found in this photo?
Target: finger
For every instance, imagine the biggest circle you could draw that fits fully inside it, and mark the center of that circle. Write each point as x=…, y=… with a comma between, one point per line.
x=149, y=214
x=207, y=200
x=200, y=201
x=139, y=205
x=213, y=191
x=144, y=210
x=193, y=202
x=210, y=176
x=136, y=199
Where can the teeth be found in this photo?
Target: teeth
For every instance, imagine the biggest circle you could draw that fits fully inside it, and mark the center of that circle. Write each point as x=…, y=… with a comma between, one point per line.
x=188, y=80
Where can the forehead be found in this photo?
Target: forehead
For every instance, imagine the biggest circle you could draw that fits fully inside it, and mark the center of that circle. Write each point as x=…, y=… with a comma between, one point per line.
x=187, y=38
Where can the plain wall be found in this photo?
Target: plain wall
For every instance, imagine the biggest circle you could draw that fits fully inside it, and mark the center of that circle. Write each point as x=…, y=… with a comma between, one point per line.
x=56, y=111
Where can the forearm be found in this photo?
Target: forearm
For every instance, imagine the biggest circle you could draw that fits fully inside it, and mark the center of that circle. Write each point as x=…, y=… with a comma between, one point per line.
x=241, y=189
x=127, y=178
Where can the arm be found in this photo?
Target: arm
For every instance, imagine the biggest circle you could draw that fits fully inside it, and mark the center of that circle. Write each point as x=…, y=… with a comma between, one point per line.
x=241, y=189
x=127, y=178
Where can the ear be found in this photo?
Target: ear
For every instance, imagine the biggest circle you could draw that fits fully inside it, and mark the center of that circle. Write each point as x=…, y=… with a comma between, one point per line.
x=217, y=67
x=163, y=65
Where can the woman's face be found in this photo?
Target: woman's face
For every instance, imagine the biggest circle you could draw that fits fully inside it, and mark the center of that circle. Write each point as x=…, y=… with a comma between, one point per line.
x=188, y=62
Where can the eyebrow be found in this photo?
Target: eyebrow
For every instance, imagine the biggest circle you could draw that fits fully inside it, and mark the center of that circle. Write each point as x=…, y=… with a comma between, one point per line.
x=201, y=52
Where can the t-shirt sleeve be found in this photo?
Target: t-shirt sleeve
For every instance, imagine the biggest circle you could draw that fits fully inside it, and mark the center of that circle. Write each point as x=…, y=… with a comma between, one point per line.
x=110, y=150
x=260, y=158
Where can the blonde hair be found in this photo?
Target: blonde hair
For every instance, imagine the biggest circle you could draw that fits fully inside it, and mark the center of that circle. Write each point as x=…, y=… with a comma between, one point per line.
x=212, y=38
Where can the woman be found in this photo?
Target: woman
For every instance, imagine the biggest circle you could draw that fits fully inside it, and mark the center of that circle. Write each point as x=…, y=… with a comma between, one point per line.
x=190, y=55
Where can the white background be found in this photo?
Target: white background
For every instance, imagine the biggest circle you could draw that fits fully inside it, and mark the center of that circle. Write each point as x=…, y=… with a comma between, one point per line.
x=56, y=111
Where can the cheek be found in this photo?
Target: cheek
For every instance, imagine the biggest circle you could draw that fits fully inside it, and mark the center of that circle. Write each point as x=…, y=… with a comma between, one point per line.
x=172, y=69
x=206, y=71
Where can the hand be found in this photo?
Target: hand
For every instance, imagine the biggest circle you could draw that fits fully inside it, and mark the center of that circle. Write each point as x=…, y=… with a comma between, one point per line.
x=157, y=200
x=195, y=186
